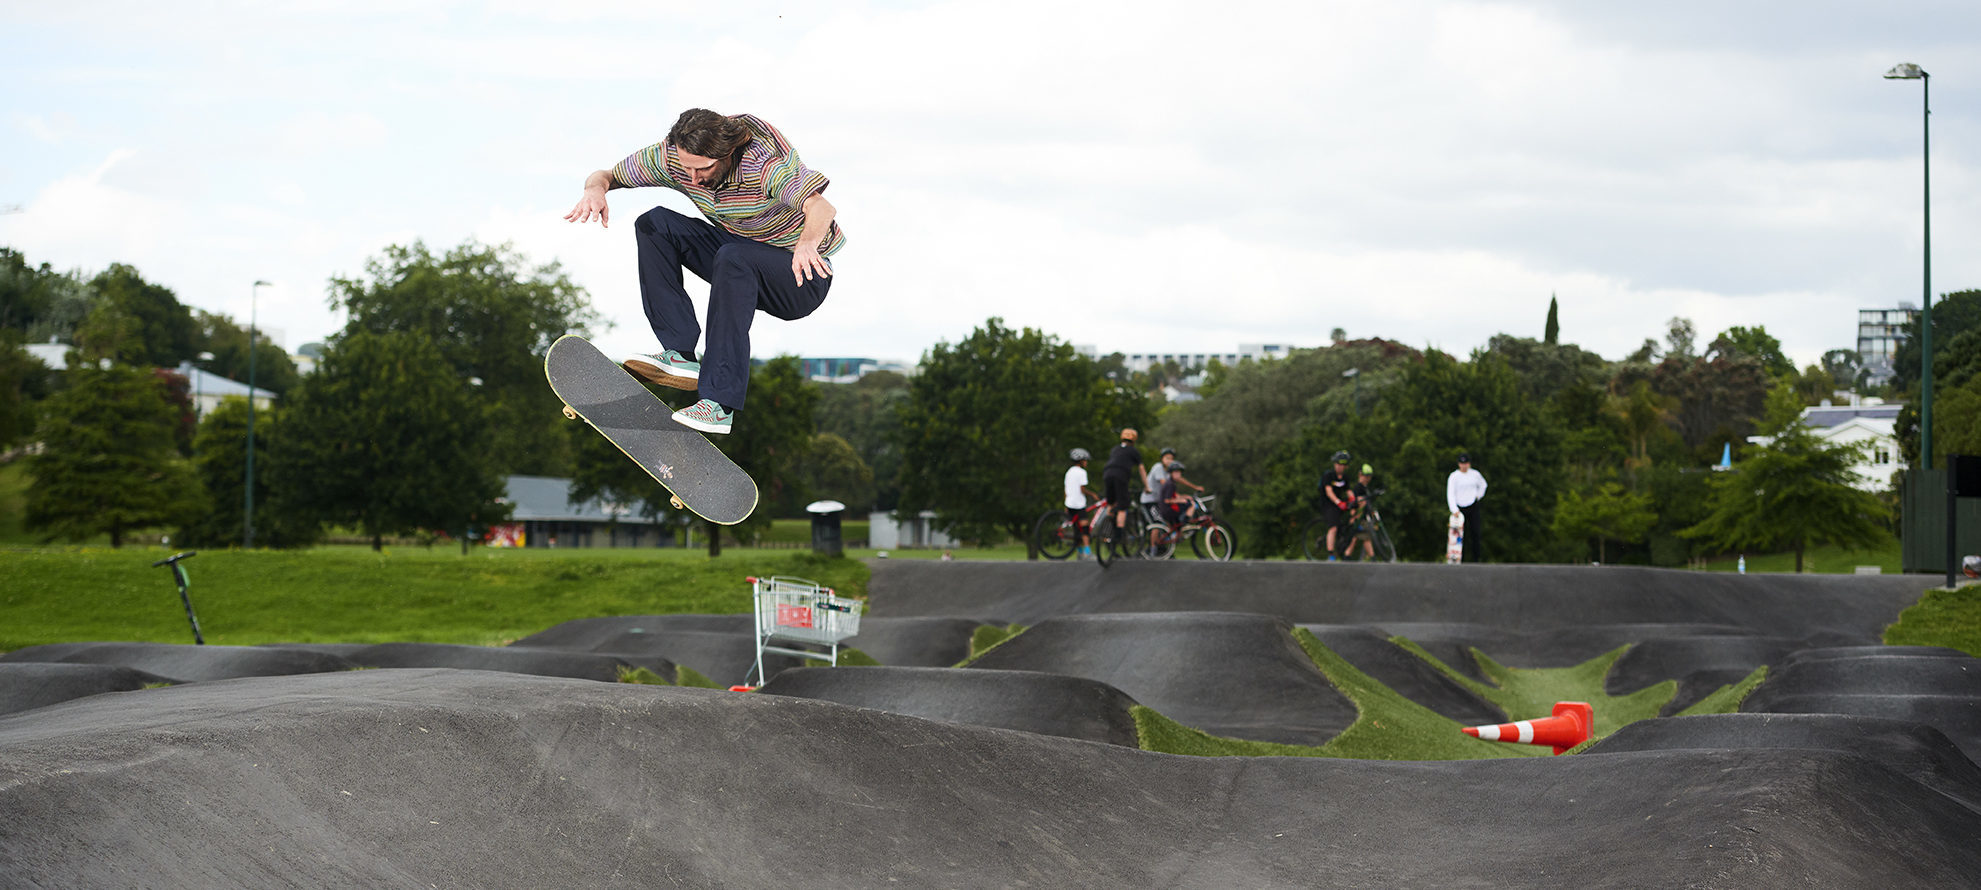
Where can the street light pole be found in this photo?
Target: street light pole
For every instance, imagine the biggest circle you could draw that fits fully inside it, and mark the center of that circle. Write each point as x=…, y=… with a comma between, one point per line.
x=248, y=507
x=1909, y=71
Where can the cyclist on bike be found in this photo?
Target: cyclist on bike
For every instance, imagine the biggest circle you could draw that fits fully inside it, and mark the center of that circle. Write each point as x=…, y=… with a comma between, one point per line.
x=1177, y=508
x=1077, y=493
x=1339, y=497
x=1158, y=474
x=1123, y=463
x=1360, y=513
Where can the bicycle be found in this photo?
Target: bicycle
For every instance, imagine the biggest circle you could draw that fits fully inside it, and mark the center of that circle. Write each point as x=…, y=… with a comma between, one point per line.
x=1057, y=536
x=1209, y=538
x=1367, y=525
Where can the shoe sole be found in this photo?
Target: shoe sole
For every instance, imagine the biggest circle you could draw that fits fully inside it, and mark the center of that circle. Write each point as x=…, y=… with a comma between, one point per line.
x=720, y=429
x=657, y=375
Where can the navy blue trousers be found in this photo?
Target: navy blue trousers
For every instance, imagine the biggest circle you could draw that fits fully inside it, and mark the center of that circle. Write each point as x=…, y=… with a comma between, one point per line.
x=743, y=276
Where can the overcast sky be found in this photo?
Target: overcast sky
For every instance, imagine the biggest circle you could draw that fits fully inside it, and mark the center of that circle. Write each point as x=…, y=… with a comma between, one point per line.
x=1138, y=176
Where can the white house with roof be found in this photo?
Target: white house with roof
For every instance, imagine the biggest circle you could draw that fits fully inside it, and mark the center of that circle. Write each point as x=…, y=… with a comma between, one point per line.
x=209, y=389
x=1872, y=425
x=542, y=515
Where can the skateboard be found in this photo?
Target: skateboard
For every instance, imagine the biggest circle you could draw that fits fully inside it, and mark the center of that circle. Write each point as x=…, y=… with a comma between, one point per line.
x=1454, y=539
x=597, y=390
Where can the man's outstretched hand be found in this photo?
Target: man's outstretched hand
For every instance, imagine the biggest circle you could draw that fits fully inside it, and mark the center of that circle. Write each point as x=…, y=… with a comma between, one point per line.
x=591, y=206
x=806, y=264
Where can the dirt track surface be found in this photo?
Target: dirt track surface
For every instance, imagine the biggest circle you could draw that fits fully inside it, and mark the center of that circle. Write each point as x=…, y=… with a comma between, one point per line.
x=1852, y=763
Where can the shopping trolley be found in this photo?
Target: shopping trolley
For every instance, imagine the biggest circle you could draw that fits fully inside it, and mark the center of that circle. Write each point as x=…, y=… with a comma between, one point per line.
x=796, y=611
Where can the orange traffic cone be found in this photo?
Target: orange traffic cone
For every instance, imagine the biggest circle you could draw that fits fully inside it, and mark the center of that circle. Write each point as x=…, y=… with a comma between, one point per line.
x=1573, y=723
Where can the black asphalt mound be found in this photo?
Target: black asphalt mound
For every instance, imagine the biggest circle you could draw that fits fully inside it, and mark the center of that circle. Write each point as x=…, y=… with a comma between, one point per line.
x=542, y=662
x=1371, y=652
x=1832, y=652
x=1700, y=664
x=476, y=779
x=587, y=634
x=1874, y=675
x=1957, y=716
x=28, y=685
x=186, y=663
x=1920, y=752
x=1229, y=674
x=1551, y=648
x=1853, y=608
x=915, y=642
x=1047, y=704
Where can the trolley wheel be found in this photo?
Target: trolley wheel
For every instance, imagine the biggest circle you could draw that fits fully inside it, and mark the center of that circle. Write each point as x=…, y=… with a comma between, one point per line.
x=570, y=413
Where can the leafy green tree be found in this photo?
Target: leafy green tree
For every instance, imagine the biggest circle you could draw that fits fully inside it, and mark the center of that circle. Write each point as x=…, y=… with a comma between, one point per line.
x=1545, y=369
x=1436, y=409
x=220, y=461
x=493, y=316
x=24, y=380
x=1956, y=414
x=1607, y=512
x=40, y=302
x=1843, y=366
x=388, y=438
x=1954, y=314
x=866, y=413
x=989, y=421
x=832, y=469
x=136, y=322
x=1250, y=410
x=1717, y=399
x=1551, y=333
x=1755, y=343
x=108, y=464
x=1793, y=492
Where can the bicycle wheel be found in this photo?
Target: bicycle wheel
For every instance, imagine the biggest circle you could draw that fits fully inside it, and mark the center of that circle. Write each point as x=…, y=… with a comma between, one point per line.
x=1103, y=539
x=1055, y=535
x=1314, y=539
x=1216, y=543
x=1135, y=536
x=1385, y=548
x=1158, y=542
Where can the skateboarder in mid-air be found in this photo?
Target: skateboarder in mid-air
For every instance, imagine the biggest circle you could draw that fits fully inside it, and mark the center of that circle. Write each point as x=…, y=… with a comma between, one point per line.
x=764, y=247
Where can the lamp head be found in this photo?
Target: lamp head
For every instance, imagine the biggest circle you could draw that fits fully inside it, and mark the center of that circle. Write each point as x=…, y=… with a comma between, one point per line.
x=1906, y=71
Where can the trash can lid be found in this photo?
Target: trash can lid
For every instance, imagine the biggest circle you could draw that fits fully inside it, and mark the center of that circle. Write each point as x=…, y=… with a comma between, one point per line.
x=824, y=507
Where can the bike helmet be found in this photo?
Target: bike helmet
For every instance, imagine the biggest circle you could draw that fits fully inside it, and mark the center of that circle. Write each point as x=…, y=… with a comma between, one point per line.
x=1341, y=457
x=1368, y=470
x=1175, y=466
x=1168, y=451
x=1128, y=434
x=1080, y=454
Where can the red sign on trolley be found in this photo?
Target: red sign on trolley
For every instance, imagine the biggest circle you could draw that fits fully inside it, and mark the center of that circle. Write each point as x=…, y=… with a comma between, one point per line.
x=794, y=616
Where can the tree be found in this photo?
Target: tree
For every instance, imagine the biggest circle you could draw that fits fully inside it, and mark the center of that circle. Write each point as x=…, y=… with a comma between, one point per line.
x=1435, y=409
x=1718, y=398
x=220, y=461
x=24, y=380
x=1956, y=403
x=1795, y=491
x=1250, y=410
x=1755, y=343
x=108, y=464
x=1551, y=334
x=136, y=322
x=1953, y=315
x=388, y=438
x=39, y=302
x=832, y=469
x=989, y=421
x=1607, y=512
x=1843, y=366
x=866, y=414
x=1679, y=337
x=1544, y=368
x=492, y=316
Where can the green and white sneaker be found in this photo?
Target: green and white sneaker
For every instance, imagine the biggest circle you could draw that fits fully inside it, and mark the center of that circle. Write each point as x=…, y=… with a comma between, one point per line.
x=707, y=416
x=668, y=369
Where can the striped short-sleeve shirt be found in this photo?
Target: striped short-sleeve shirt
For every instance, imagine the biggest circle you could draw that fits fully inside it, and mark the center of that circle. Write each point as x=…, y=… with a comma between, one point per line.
x=763, y=199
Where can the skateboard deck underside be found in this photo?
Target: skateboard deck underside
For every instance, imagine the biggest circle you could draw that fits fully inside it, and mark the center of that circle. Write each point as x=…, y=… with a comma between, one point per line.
x=682, y=460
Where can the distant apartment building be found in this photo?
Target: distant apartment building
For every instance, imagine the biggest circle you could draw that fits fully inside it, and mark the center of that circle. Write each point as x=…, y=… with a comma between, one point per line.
x=1143, y=361
x=1879, y=333
x=845, y=370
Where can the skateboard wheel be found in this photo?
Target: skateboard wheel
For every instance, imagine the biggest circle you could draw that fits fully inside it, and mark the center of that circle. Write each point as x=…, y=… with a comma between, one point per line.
x=676, y=502
x=570, y=413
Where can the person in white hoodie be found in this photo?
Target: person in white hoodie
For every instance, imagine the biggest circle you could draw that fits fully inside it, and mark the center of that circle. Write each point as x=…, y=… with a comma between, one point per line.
x=1462, y=491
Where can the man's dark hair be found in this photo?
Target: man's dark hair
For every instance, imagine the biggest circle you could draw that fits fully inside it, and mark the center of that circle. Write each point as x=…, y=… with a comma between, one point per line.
x=700, y=131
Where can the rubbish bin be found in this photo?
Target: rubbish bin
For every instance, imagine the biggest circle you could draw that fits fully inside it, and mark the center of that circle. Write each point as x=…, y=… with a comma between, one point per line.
x=825, y=527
